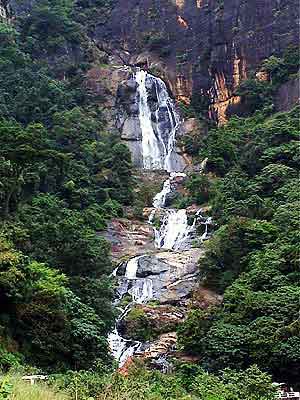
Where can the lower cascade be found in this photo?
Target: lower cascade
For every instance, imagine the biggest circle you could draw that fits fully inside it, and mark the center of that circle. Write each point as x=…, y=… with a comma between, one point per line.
x=169, y=274
x=144, y=281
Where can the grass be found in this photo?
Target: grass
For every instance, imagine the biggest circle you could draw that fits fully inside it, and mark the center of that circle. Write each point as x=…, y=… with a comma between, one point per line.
x=40, y=391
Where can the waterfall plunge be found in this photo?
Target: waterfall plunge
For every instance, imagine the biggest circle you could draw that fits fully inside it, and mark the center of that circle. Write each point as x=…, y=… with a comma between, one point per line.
x=153, y=149
x=158, y=137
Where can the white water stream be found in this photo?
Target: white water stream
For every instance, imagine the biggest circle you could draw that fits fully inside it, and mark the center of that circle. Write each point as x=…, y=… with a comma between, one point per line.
x=175, y=233
x=158, y=127
x=153, y=148
x=141, y=291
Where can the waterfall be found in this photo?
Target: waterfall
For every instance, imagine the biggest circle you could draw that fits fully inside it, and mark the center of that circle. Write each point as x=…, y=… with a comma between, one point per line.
x=159, y=123
x=131, y=268
x=207, y=223
x=175, y=231
x=141, y=291
x=160, y=198
x=121, y=348
x=158, y=126
x=153, y=148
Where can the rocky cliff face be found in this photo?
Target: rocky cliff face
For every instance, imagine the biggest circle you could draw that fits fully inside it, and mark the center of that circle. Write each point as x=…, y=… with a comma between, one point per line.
x=288, y=95
x=202, y=49
x=201, y=46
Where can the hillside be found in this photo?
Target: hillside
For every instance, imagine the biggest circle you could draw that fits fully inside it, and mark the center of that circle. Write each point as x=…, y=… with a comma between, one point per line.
x=149, y=173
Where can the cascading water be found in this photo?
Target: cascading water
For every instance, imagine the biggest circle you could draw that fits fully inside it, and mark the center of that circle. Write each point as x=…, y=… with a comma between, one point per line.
x=153, y=148
x=158, y=127
x=159, y=200
x=141, y=291
x=175, y=231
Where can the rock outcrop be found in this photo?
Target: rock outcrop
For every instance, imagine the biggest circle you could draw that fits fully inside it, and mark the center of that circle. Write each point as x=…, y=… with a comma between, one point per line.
x=200, y=48
x=173, y=274
x=162, y=346
x=204, y=47
x=129, y=238
x=150, y=321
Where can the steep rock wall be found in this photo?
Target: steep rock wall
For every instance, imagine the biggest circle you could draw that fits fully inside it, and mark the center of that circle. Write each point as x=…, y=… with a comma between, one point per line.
x=199, y=47
x=288, y=95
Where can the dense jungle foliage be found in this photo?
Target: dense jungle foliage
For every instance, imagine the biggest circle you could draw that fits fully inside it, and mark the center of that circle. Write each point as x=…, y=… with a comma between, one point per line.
x=62, y=178
x=253, y=257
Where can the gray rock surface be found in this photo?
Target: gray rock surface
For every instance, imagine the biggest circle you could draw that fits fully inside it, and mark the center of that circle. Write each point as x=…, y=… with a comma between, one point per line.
x=173, y=274
x=131, y=129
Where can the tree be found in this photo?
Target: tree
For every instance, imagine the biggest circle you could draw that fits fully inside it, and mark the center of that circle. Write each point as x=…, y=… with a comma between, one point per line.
x=21, y=152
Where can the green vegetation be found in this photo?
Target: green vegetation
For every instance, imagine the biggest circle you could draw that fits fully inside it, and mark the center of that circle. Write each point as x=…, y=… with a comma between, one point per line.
x=253, y=257
x=137, y=325
x=13, y=388
x=62, y=178
x=188, y=382
x=258, y=94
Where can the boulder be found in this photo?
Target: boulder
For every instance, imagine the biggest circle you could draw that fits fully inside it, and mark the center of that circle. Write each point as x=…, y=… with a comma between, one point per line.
x=173, y=274
x=163, y=345
x=150, y=266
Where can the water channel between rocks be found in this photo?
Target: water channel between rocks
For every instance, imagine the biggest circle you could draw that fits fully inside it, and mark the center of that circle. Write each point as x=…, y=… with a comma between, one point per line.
x=169, y=275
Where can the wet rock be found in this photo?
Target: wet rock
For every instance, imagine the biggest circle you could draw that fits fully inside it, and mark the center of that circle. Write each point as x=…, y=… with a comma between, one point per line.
x=170, y=197
x=121, y=269
x=173, y=274
x=131, y=129
x=123, y=234
x=151, y=265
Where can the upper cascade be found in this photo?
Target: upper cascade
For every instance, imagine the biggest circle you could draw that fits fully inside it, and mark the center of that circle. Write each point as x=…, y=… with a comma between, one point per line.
x=159, y=123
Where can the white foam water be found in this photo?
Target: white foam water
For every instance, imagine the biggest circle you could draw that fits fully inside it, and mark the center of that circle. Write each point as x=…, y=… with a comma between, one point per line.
x=159, y=129
x=159, y=143
x=141, y=291
x=153, y=155
x=121, y=349
x=175, y=231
